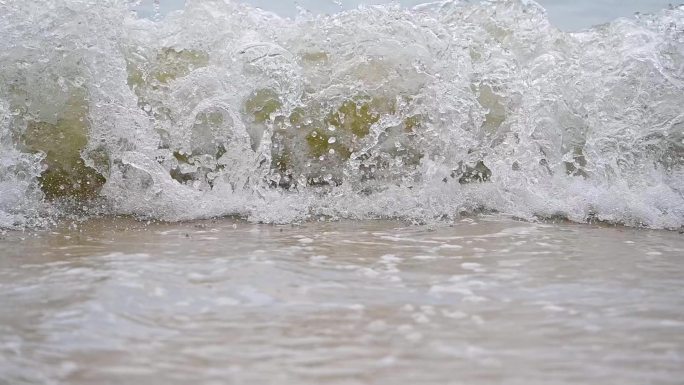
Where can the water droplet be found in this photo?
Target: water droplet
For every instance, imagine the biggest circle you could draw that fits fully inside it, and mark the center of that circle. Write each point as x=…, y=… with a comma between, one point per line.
x=332, y=140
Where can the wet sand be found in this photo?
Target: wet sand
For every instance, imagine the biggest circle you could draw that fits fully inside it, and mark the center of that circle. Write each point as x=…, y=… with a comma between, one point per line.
x=484, y=301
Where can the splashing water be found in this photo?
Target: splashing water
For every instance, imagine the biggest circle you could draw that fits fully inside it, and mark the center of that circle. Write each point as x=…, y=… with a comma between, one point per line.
x=433, y=112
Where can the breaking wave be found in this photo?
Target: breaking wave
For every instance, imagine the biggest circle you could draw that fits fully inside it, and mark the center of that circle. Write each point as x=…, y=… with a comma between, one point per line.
x=443, y=110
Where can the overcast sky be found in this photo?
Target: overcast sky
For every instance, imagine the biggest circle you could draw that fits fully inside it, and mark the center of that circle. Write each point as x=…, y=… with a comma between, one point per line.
x=566, y=14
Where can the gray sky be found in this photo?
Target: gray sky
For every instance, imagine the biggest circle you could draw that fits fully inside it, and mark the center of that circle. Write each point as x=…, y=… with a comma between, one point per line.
x=566, y=14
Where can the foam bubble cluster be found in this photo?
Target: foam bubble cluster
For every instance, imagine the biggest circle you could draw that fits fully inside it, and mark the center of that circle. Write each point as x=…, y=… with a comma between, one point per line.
x=443, y=110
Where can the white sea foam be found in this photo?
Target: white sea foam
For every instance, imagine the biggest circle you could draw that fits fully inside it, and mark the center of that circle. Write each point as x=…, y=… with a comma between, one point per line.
x=433, y=112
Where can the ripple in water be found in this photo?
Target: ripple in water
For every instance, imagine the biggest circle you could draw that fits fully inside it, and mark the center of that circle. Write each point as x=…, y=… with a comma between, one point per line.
x=481, y=301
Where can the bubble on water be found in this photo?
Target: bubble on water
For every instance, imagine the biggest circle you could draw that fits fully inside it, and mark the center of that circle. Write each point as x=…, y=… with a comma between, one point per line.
x=422, y=114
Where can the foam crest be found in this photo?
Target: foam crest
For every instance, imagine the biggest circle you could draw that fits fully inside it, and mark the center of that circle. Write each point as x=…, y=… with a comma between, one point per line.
x=443, y=110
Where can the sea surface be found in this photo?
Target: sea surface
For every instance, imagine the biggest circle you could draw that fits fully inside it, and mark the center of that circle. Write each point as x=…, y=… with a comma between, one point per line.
x=485, y=300
x=447, y=193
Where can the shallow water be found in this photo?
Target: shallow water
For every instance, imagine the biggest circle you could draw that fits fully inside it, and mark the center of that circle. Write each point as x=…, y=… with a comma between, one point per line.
x=483, y=301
